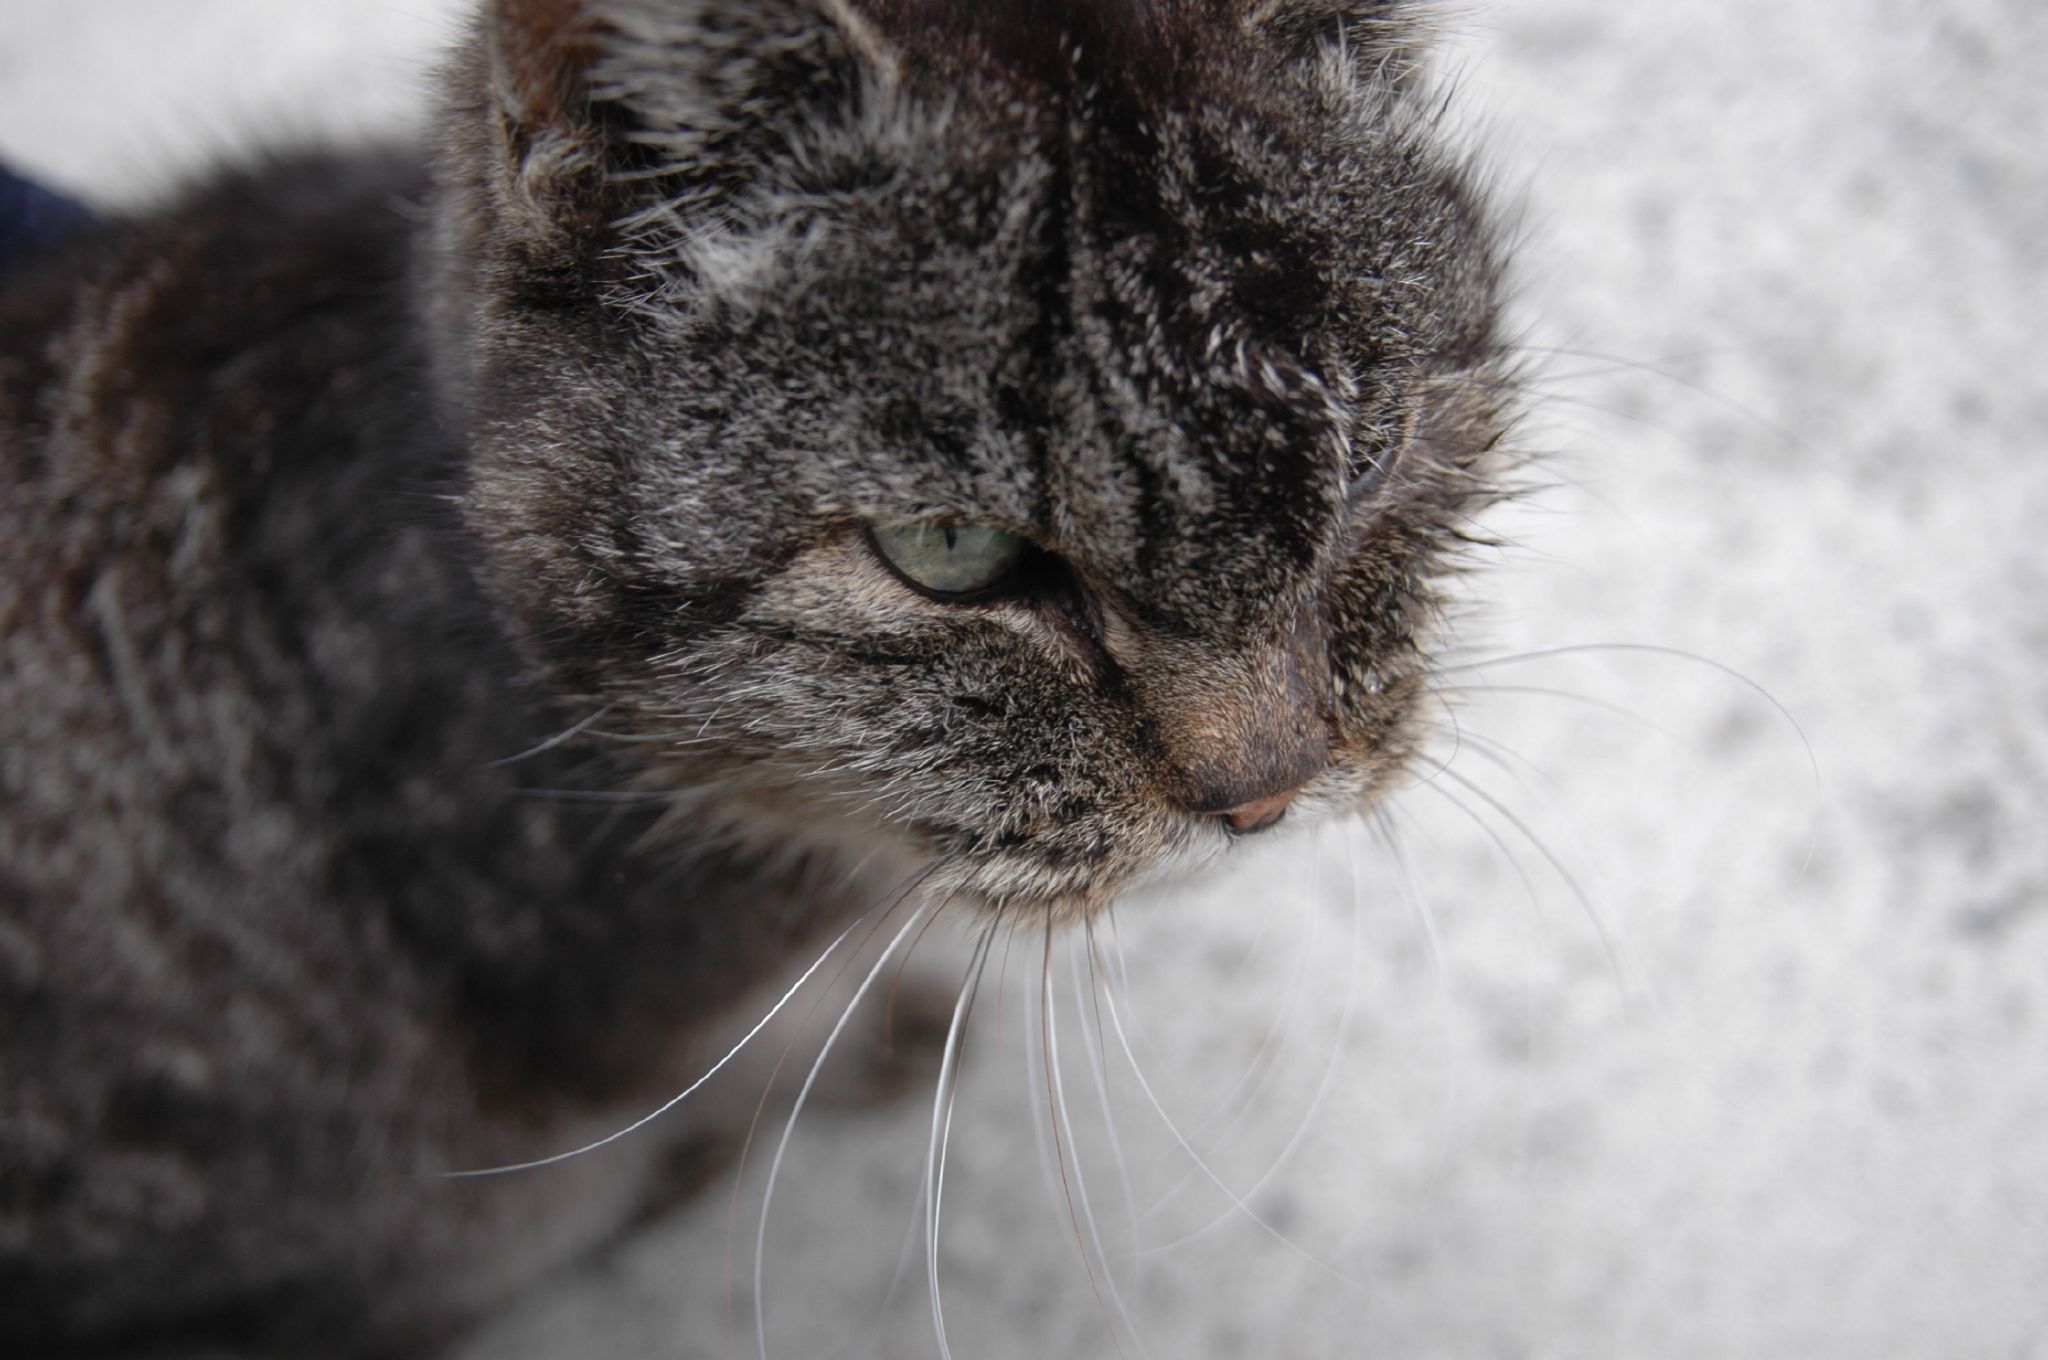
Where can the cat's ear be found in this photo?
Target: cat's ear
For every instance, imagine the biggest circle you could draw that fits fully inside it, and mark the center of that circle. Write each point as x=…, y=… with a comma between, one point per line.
x=537, y=57
x=1380, y=39
x=603, y=106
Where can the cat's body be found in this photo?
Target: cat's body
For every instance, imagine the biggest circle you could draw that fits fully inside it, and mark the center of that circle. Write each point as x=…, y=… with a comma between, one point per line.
x=279, y=927
x=332, y=493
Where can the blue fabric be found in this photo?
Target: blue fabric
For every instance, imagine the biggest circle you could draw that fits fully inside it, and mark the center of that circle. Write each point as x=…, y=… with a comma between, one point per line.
x=34, y=220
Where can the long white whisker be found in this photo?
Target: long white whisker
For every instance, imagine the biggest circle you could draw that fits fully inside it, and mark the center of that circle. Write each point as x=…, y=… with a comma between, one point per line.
x=1116, y=1024
x=1339, y=1045
x=1616, y=957
x=1756, y=418
x=1080, y=1196
x=884, y=906
x=1511, y=763
x=942, y=1130
x=1041, y=1127
x=1261, y=1065
x=1088, y=1003
x=1404, y=872
x=1119, y=980
x=906, y=1251
x=1622, y=711
x=1647, y=649
x=796, y=1111
x=1680, y=654
x=768, y=1091
x=1260, y=1069
x=1507, y=855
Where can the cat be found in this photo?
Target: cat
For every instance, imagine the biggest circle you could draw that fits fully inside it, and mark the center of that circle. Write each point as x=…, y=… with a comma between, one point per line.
x=470, y=617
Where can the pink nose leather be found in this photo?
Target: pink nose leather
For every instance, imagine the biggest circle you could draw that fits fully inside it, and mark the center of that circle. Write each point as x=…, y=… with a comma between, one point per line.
x=1260, y=813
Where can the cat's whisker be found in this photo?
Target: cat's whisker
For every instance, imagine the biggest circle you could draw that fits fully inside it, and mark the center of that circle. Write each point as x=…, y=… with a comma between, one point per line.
x=1339, y=1046
x=1087, y=1004
x=1262, y=1064
x=1236, y=1200
x=886, y=905
x=1042, y=1138
x=1507, y=855
x=1077, y=1196
x=1510, y=762
x=1447, y=705
x=1610, y=944
x=679, y=738
x=1234, y=1103
x=1574, y=697
x=1414, y=890
x=1251, y=949
x=943, y=1094
x=1382, y=826
x=1652, y=369
x=922, y=916
x=906, y=1252
x=1577, y=650
x=569, y=733
x=1120, y=978
x=1593, y=649
x=760, y=1110
x=1551, y=389
x=1519, y=769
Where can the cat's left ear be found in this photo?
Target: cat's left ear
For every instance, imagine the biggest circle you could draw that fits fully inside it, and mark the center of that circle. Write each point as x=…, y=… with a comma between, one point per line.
x=604, y=105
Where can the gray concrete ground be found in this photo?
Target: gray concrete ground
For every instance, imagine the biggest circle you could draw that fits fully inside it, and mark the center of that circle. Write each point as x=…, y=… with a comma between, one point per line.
x=1702, y=1010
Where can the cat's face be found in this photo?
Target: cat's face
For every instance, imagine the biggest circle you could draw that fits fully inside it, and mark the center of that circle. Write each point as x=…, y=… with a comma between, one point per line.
x=746, y=305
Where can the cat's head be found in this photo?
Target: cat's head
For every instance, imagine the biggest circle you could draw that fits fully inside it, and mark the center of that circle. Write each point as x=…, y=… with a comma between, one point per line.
x=1021, y=432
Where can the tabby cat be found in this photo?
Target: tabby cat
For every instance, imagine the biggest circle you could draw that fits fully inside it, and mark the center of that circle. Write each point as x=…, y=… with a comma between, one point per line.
x=469, y=616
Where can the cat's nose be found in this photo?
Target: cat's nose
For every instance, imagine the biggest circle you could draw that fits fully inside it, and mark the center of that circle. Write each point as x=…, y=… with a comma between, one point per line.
x=1254, y=792
x=1258, y=814
x=1243, y=760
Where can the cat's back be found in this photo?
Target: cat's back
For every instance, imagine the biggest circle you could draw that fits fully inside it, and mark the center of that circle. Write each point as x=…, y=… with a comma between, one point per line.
x=290, y=908
x=282, y=269
x=179, y=394
x=216, y=471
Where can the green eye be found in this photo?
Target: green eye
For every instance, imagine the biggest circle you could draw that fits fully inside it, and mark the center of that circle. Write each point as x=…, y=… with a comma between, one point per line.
x=948, y=559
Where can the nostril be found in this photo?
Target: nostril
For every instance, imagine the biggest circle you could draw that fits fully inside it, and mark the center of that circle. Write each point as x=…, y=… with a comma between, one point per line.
x=1260, y=813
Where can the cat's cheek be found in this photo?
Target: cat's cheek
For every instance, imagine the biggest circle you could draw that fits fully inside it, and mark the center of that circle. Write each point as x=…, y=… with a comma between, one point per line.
x=1347, y=791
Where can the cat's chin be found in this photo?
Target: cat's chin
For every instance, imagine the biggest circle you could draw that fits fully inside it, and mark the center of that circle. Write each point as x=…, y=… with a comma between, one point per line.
x=1024, y=892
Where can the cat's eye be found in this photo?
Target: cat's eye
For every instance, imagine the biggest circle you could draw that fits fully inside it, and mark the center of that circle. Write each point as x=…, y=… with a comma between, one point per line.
x=953, y=560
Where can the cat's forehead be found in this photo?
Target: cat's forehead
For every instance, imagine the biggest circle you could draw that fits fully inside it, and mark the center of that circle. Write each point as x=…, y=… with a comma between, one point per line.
x=1096, y=311
x=1139, y=341
x=1112, y=340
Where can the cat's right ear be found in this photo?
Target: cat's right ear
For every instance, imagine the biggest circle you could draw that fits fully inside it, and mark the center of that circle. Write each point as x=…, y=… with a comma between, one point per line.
x=606, y=107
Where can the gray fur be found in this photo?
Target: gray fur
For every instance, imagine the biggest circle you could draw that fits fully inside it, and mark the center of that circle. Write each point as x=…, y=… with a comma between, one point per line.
x=311, y=514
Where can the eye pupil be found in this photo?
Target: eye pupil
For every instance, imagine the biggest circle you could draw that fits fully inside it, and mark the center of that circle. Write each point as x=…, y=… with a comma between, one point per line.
x=948, y=560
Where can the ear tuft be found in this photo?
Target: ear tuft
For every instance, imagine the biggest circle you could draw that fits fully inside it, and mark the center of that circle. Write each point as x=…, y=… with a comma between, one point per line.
x=611, y=109
x=541, y=50
x=1382, y=39
x=537, y=58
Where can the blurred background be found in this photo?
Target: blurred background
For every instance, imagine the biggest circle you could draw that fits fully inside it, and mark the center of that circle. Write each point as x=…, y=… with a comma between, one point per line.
x=1695, y=1002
